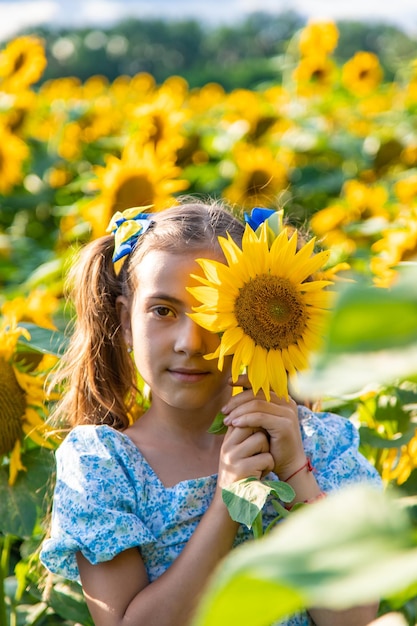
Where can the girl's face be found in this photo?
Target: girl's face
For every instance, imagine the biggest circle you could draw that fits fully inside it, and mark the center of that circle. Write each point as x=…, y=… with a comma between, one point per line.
x=169, y=347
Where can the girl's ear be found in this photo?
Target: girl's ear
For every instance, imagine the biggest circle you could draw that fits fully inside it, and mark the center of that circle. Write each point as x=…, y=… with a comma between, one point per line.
x=123, y=311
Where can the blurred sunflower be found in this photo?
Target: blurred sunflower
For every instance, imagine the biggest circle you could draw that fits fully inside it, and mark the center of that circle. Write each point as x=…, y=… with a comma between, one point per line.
x=140, y=178
x=314, y=73
x=362, y=73
x=269, y=311
x=18, y=112
x=260, y=175
x=38, y=308
x=398, y=243
x=358, y=204
x=22, y=63
x=13, y=154
x=160, y=120
x=406, y=189
x=22, y=399
x=318, y=38
x=400, y=462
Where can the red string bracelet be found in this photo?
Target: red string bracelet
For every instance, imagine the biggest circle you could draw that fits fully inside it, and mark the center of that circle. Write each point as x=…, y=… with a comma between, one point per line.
x=307, y=465
x=320, y=496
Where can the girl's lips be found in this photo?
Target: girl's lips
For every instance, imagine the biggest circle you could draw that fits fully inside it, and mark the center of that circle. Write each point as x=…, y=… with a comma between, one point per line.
x=188, y=376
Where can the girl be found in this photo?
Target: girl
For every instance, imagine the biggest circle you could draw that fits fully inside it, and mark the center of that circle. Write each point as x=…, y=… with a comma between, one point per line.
x=138, y=515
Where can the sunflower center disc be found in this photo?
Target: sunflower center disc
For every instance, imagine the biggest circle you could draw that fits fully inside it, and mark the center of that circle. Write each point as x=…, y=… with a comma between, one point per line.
x=270, y=310
x=12, y=402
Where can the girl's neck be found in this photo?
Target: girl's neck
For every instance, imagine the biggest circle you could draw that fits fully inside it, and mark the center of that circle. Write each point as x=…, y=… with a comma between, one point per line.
x=179, y=425
x=177, y=450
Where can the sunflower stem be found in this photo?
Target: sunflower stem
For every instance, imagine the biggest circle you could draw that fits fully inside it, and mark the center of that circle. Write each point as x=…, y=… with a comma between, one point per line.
x=257, y=528
x=4, y=570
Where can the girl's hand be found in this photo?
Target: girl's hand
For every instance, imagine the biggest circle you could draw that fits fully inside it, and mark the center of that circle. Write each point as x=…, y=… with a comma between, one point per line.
x=279, y=418
x=244, y=452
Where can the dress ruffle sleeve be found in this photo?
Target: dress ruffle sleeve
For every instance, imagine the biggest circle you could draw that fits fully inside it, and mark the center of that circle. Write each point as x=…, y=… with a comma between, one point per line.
x=95, y=502
x=332, y=444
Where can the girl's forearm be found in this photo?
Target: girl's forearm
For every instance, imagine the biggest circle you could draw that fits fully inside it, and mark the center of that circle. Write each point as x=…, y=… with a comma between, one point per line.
x=172, y=599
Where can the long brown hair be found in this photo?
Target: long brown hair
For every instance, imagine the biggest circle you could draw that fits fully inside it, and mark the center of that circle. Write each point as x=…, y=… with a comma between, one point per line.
x=97, y=373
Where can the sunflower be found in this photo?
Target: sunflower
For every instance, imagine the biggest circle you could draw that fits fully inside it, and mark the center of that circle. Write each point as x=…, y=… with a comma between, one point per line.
x=22, y=63
x=400, y=462
x=264, y=303
x=22, y=400
x=358, y=204
x=160, y=118
x=398, y=243
x=314, y=73
x=318, y=37
x=261, y=174
x=362, y=73
x=38, y=308
x=13, y=154
x=140, y=178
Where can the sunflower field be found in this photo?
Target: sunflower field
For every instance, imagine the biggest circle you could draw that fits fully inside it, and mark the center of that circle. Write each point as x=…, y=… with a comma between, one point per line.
x=336, y=146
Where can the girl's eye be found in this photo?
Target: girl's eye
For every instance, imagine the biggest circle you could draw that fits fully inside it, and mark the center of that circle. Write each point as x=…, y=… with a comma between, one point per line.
x=163, y=311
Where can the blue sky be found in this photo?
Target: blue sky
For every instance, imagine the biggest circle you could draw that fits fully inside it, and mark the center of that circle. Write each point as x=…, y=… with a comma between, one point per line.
x=15, y=14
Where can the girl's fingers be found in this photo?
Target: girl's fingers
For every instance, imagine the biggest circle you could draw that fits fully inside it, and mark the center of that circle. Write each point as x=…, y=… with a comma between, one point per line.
x=256, y=414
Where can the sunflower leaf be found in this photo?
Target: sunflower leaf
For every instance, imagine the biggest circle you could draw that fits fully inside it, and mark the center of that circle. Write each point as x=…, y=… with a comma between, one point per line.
x=351, y=548
x=246, y=498
x=218, y=427
x=43, y=340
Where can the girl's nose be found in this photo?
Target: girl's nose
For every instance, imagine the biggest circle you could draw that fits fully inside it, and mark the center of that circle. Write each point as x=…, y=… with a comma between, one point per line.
x=190, y=338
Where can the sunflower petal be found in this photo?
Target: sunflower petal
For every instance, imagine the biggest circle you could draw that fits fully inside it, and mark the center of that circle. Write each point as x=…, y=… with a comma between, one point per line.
x=276, y=373
x=257, y=371
x=303, y=267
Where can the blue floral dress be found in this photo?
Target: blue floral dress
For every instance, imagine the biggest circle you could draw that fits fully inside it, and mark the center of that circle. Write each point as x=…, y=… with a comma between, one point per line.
x=108, y=498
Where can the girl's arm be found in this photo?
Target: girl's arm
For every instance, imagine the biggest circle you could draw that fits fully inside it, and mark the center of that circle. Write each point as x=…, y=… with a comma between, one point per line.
x=118, y=592
x=280, y=419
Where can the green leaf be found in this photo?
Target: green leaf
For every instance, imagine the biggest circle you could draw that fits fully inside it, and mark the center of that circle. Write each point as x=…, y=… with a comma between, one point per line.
x=21, y=503
x=67, y=600
x=371, y=338
x=351, y=548
x=218, y=427
x=368, y=318
x=370, y=437
x=246, y=498
x=282, y=490
x=42, y=340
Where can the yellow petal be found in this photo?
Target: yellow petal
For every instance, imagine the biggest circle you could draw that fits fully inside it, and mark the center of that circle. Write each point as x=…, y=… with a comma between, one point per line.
x=15, y=463
x=277, y=374
x=314, y=285
x=303, y=268
x=217, y=273
x=207, y=295
x=288, y=364
x=230, y=338
x=257, y=371
x=297, y=357
x=243, y=356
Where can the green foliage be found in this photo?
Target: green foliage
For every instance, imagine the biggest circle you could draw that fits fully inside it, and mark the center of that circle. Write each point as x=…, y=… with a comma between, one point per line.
x=349, y=549
x=371, y=338
x=22, y=504
x=245, y=500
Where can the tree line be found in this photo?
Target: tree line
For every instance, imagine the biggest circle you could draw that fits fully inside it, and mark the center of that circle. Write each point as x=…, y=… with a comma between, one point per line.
x=247, y=54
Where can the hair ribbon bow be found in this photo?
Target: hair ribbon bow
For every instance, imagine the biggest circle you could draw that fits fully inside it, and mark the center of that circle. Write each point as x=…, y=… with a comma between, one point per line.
x=126, y=227
x=273, y=219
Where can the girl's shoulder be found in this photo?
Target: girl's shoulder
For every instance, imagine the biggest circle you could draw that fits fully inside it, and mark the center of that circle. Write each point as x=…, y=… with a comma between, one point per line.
x=95, y=448
x=91, y=437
